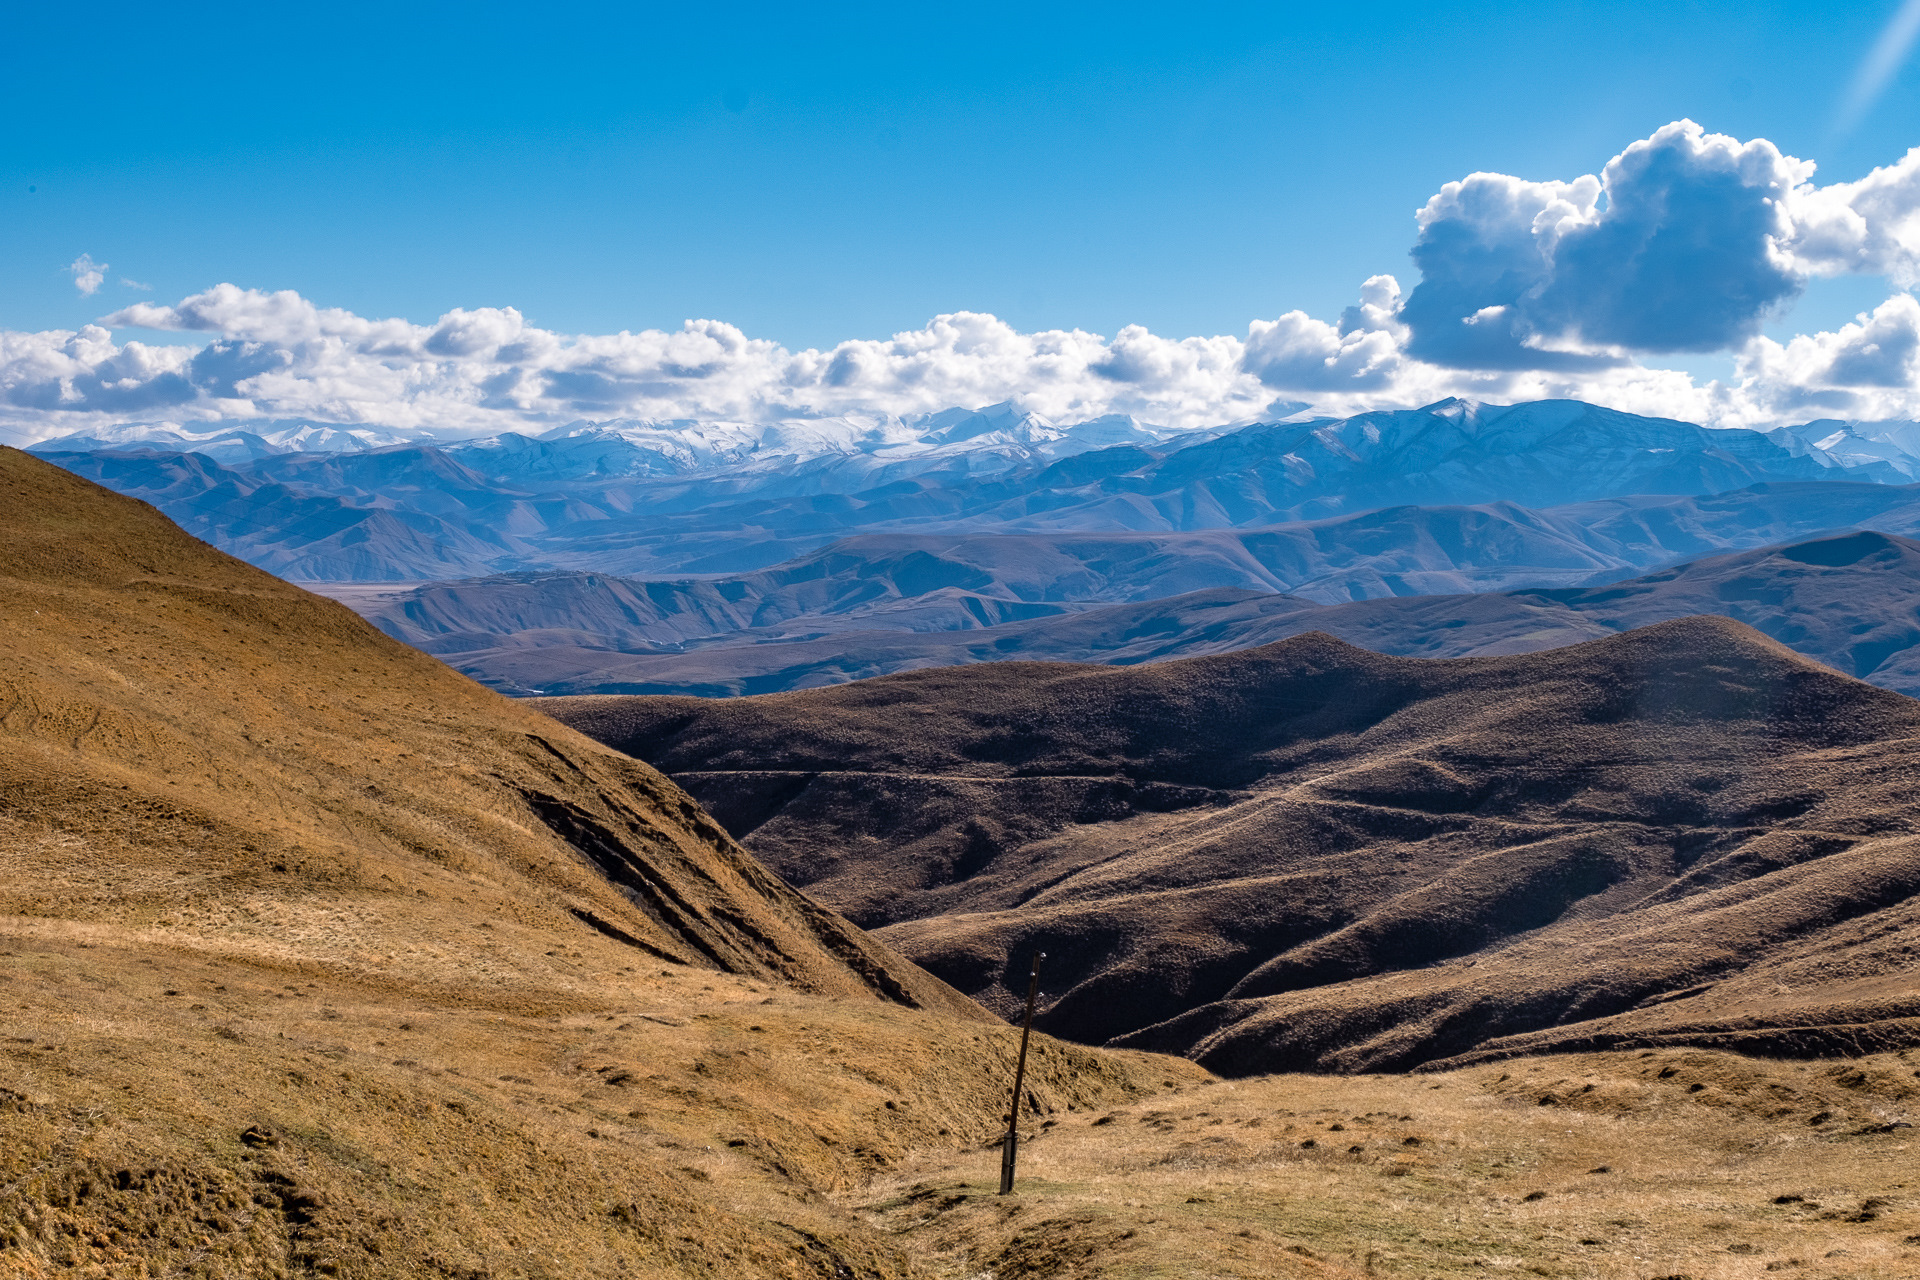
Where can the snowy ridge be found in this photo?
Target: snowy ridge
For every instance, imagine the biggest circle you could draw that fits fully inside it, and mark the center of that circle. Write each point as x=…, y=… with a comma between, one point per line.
x=669, y=499
x=870, y=448
x=1852, y=443
x=988, y=439
x=241, y=442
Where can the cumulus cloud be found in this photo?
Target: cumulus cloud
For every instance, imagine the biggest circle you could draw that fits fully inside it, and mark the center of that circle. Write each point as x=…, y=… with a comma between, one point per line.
x=1685, y=241
x=280, y=355
x=1869, y=227
x=88, y=275
x=52, y=374
x=1363, y=353
x=1867, y=369
x=1681, y=244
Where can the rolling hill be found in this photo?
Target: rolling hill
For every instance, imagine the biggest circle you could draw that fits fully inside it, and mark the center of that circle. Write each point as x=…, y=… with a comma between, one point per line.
x=1849, y=600
x=1309, y=856
x=321, y=959
x=145, y=669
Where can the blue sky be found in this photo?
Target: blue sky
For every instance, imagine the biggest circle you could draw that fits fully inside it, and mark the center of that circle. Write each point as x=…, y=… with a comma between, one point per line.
x=1182, y=167
x=813, y=174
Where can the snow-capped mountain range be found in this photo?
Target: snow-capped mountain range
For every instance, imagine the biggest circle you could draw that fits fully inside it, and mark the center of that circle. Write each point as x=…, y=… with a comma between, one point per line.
x=314, y=502
x=989, y=439
x=239, y=442
x=979, y=441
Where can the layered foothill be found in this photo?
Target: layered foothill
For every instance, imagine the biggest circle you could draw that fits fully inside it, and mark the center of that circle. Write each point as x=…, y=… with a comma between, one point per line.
x=1307, y=855
x=1427, y=582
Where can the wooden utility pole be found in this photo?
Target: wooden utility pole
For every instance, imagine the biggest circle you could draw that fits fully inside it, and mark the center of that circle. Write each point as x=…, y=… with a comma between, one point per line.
x=1010, y=1145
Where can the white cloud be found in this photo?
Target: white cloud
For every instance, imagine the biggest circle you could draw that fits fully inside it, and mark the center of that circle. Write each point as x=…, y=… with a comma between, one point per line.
x=1686, y=242
x=1298, y=353
x=1867, y=369
x=88, y=275
x=1681, y=244
x=1528, y=290
x=1869, y=227
x=277, y=354
x=127, y=283
x=58, y=377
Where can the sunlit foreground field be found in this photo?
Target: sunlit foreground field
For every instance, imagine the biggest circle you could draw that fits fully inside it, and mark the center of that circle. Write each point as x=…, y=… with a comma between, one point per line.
x=1655, y=1164
x=170, y=1113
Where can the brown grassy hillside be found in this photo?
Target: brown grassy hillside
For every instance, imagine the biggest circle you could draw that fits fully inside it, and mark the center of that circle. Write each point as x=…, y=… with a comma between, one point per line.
x=263, y=765
x=1310, y=856
x=320, y=959
x=1650, y=1165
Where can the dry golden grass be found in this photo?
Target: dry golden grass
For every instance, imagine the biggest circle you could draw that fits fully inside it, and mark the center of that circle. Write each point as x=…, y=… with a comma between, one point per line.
x=1687, y=1162
x=191, y=747
x=163, y=1112
x=694, y=1123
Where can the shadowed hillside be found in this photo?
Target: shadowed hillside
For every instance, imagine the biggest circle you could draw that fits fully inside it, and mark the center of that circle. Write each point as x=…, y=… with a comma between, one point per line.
x=231, y=731
x=1309, y=855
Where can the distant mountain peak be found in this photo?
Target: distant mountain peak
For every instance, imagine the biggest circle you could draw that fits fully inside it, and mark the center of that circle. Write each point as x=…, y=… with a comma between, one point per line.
x=1452, y=407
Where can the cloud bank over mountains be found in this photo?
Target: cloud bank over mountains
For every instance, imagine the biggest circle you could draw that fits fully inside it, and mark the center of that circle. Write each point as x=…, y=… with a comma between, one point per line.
x=1686, y=242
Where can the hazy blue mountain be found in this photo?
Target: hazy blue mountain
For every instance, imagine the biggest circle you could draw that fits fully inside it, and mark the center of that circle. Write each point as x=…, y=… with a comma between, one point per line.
x=1454, y=453
x=1850, y=600
x=878, y=604
x=1546, y=453
x=299, y=532
x=660, y=500
x=959, y=581
x=1857, y=443
x=1214, y=621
